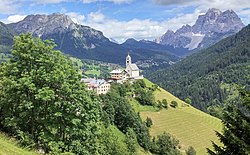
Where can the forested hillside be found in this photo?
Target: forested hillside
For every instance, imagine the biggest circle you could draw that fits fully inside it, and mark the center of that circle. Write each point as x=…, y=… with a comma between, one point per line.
x=202, y=76
x=44, y=106
x=6, y=38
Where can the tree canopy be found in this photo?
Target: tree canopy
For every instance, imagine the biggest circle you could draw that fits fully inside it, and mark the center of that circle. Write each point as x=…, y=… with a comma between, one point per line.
x=42, y=101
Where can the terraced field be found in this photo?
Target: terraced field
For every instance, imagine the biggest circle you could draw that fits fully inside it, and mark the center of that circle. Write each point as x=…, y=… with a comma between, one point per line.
x=190, y=126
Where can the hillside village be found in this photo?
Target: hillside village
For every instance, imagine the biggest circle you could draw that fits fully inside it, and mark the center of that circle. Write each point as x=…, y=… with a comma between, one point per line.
x=102, y=86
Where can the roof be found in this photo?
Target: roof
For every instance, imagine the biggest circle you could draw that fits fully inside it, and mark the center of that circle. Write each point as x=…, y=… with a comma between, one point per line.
x=87, y=80
x=97, y=83
x=116, y=71
x=93, y=82
x=133, y=67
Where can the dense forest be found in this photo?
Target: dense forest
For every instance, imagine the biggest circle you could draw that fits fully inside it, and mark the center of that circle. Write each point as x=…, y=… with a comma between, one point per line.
x=204, y=76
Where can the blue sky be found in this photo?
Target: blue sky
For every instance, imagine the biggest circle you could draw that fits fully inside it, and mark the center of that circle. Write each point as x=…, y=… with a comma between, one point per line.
x=123, y=19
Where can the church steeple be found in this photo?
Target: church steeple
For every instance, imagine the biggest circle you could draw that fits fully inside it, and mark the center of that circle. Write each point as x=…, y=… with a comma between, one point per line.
x=128, y=60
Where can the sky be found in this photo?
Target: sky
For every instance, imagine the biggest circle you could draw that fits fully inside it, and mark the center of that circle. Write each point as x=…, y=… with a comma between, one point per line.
x=123, y=19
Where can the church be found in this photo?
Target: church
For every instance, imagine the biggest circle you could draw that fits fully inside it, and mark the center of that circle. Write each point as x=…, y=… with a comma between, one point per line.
x=131, y=68
x=131, y=71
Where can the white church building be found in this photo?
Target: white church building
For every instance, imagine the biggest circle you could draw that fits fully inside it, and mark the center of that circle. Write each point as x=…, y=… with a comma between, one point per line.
x=131, y=71
x=131, y=68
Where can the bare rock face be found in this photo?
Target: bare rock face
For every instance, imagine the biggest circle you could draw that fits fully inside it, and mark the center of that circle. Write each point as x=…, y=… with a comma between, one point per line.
x=39, y=25
x=207, y=30
x=60, y=28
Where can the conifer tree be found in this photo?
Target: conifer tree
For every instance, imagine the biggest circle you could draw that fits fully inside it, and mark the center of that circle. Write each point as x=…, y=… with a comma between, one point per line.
x=236, y=133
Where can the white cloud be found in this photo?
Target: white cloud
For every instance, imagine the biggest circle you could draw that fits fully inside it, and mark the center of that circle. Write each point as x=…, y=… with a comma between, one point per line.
x=245, y=16
x=49, y=1
x=96, y=17
x=76, y=17
x=136, y=28
x=8, y=7
x=15, y=18
x=113, y=1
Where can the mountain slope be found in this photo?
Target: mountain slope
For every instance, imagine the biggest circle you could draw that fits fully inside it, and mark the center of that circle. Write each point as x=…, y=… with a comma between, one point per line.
x=207, y=30
x=189, y=125
x=6, y=37
x=201, y=75
x=80, y=41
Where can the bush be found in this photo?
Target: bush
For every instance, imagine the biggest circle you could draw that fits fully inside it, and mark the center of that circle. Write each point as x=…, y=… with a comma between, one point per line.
x=190, y=151
x=164, y=144
x=149, y=122
x=174, y=104
x=165, y=103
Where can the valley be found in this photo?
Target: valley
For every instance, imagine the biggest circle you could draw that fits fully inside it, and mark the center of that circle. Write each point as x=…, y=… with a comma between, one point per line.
x=118, y=77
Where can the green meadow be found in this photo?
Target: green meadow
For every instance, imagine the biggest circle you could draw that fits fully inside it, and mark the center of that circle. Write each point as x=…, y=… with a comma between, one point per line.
x=190, y=126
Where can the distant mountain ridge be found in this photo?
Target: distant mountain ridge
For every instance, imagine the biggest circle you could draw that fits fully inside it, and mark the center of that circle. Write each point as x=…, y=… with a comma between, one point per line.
x=207, y=30
x=81, y=41
x=133, y=44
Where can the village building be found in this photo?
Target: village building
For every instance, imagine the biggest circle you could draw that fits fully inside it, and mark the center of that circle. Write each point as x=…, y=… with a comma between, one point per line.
x=118, y=74
x=131, y=72
x=100, y=86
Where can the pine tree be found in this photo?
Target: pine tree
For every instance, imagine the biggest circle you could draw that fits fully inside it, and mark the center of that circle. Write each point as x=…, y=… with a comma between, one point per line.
x=236, y=133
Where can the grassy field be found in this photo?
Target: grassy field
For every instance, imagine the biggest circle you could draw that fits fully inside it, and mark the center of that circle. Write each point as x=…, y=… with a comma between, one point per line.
x=93, y=72
x=9, y=147
x=190, y=126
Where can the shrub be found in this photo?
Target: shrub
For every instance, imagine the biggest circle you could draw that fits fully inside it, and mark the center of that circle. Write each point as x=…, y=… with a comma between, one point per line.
x=174, y=104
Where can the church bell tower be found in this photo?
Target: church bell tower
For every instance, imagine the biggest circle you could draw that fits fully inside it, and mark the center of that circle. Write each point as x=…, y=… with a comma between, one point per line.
x=128, y=60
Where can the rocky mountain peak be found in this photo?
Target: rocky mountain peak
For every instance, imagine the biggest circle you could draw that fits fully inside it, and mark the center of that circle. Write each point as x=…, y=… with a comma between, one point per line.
x=184, y=29
x=216, y=21
x=213, y=11
x=39, y=25
x=208, y=29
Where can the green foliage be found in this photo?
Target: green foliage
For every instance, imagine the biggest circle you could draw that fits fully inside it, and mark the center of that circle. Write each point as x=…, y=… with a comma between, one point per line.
x=190, y=151
x=165, y=144
x=159, y=105
x=131, y=141
x=165, y=103
x=174, y=104
x=200, y=75
x=125, y=117
x=42, y=101
x=112, y=144
x=235, y=135
x=188, y=100
x=144, y=94
x=149, y=122
x=215, y=110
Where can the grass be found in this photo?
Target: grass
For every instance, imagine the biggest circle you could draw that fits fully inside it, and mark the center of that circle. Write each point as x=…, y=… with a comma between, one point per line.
x=93, y=72
x=10, y=147
x=190, y=126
